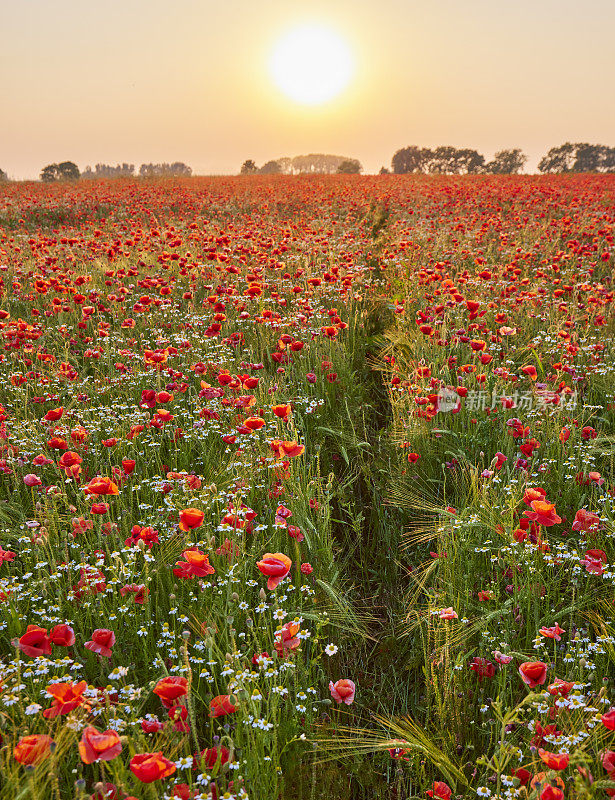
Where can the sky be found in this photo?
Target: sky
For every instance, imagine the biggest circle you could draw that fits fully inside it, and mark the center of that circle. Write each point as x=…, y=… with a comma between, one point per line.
x=151, y=80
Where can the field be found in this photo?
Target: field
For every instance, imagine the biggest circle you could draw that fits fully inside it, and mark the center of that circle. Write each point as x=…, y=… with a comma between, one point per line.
x=307, y=488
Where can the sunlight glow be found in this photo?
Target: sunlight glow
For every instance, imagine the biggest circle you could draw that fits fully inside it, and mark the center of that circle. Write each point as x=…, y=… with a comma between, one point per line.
x=312, y=64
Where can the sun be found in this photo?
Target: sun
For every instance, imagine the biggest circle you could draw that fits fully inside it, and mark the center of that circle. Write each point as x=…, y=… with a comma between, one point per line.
x=311, y=64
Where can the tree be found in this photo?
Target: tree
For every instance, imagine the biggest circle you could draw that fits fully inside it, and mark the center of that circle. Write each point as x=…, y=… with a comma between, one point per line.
x=558, y=159
x=410, y=159
x=271, y=168
x=384, y=171
x=578, y=157
x=318, y=163
x=507, y=162
x=249, y=167
x=3, y=176
x=64, y=171
x=108, y=171
x=175, y=170
x=448, y=160
x=350, y=167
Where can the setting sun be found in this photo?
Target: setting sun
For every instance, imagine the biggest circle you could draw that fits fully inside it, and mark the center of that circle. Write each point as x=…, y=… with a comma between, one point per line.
x=312, y=64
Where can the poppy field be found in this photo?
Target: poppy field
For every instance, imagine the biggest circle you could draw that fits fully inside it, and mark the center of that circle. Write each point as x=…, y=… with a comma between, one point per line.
x=307, y=488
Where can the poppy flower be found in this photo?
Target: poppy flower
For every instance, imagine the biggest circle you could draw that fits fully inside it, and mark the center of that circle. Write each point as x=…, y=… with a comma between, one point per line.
x=532, y=494
x=543, y=513
x=171, y=689
x=210, y=757
x=54, y=414
x=448, y=613
x=196, y=565
x=439, y=791
x=552, y=793
x=286, y=639
x=533, y=673
x=32, y=749
x=552, y=633
x=342, y=691
x=150, y=767
x=66, y=697
x=128, y=465
x=585, y=521
x=101, y=486
x=62, y=635
x=101, y=642
x=190, y=518
x=287, y=449
x=554, y=761
x=608, y=762
x=35, y=642
x=608, y=720
x=31, y=480
x=97, y=746
x=276, y=566
x=559, y=687
x=282, y=411
x=221, y=705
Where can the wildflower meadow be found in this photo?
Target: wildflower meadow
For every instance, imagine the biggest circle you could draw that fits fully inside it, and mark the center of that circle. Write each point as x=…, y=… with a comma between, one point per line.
x=307, y=488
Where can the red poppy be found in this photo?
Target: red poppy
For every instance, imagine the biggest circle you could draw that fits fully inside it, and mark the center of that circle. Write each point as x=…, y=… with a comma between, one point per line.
x=533, y=673
x=97, y=746
x=150, y=767
x=101, y=486
x=276, y=566
x=170, y=689
x=543, y=513
x=66, y=697
x=221, y=705
x=35, y=642
x=32, y=749
x=190, y=518
x=439, y=791
x=556, y=761
x=196, y=565
x=101, y=642
x=62, y=635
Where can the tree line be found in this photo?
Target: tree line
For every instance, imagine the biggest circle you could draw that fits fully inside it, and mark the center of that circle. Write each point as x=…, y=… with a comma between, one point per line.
x=447, y=160
x=314, y=163
x=69, y=171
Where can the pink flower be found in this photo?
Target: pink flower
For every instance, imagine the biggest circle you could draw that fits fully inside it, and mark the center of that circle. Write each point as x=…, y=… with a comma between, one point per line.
x=342, y=691
x=32, y=480
x=448, y=613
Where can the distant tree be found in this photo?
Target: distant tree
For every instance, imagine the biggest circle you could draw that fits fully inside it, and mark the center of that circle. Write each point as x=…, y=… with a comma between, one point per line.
x=175, y=170
x=410, y=159
x=271, y=168
x=286, y=164
x=3, y=176
x=64, y=171
x=507, y=162
x=447, y=160
x=590, y=157
x=384, y=171
x=558, y=159
x=249, y=167
x=578, y=157
x=318, y=163
x=108, y=171
x=350, y=167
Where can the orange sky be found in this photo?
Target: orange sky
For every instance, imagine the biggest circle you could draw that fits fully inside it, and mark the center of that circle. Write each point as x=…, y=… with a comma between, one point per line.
x=146, y=80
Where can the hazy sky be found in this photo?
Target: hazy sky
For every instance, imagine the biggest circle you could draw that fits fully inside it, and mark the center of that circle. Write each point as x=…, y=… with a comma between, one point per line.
x=181, y=80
